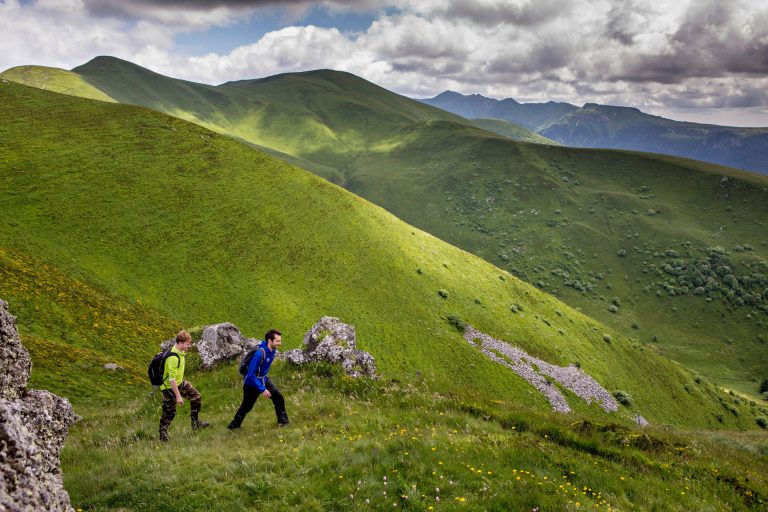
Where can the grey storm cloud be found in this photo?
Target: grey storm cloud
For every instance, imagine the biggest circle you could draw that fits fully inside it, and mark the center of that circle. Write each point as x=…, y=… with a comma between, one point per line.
x=138, y=8
x=625, y=21
x=530, y=14
x=710, y=42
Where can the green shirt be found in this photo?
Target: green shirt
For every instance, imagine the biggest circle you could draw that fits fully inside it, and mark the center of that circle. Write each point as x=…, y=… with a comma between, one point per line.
x=174, y=369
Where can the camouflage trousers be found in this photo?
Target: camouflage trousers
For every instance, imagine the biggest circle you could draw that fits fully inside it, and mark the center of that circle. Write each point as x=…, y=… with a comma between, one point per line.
x=187, y=391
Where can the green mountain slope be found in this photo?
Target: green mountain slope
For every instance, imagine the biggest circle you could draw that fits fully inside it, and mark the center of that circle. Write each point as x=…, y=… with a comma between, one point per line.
x=56, y=80
x=121, y=225
x=666, y=250
x=202, y=229
x=512, y=131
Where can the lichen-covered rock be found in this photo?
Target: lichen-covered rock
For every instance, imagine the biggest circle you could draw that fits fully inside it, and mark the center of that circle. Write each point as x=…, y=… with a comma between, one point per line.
x=222, y=342
x=48, y=417
x=27, y=482
x=15, y=364
x=333, y=341
x=33, y=428
x=217, y=343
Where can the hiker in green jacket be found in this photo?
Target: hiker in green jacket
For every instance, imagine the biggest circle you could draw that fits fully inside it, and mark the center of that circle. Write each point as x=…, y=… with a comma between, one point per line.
x=174, y=387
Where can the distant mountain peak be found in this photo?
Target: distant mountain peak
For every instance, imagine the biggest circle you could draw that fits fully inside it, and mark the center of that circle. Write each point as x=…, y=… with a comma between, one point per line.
x=109, y=63
x=597, y=106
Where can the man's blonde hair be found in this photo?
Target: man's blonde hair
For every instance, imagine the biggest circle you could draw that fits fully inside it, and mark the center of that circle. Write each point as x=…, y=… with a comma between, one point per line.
x=183, y=336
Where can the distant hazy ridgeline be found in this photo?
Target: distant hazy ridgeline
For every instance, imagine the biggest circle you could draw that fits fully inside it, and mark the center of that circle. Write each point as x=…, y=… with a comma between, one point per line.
x=603, y=126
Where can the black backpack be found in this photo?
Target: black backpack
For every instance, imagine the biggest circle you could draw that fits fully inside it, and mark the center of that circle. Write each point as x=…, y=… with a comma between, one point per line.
x=246, y=362
x=157, y=366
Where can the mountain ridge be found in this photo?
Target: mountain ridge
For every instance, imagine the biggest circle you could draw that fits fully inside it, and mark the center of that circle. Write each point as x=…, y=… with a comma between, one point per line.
x=745, y=148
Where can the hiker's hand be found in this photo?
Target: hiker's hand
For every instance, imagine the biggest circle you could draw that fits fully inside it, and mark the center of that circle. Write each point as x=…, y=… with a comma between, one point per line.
x=179, y=400
x=266, y=394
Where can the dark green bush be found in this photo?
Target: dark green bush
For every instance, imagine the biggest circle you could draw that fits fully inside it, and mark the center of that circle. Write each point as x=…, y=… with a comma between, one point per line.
x=457, y=322
x=623, y=397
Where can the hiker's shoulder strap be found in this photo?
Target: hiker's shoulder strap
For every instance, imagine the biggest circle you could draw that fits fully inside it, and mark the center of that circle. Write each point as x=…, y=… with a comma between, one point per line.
x=263, y=358
x=172, y=353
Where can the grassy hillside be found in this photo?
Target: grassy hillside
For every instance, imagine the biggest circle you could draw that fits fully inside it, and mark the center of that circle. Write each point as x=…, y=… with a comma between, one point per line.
x=122, y=225
x=511, y=131
x=644, y=243
x=201, y=229
x=388, y=445
x=669, y=251
x=56, y=80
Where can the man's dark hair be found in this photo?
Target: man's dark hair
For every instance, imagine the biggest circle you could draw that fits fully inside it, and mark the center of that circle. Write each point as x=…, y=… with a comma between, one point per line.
x=271, y=334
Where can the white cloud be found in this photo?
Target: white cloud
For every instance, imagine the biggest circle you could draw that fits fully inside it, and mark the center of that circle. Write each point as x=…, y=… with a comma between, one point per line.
x=654, y=54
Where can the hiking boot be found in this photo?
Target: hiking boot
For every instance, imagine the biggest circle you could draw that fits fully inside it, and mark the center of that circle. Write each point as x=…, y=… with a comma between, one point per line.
x=197, y=424
x=281, y=425
x=164, y=435
x=235, y=423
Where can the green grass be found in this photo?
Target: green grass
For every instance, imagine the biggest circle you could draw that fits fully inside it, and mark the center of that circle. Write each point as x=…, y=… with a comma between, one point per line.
x=362, y=445
x=556, y=217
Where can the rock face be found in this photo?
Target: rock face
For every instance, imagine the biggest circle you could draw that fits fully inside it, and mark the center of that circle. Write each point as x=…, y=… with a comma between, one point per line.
x=536, y=371
x=33, y=427
x=222, y=342
x=218, y=342
x=15, y=364
x=333, y=341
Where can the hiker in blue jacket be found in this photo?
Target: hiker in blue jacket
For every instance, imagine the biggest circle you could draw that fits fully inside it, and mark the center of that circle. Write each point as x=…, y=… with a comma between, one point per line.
x=257, y=383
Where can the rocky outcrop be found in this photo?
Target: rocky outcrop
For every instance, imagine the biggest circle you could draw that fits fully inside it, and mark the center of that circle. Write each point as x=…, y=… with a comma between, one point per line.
x=222, y=342
x=15, y=364
x=333, y=341
x=33, y=427
x=538, y=372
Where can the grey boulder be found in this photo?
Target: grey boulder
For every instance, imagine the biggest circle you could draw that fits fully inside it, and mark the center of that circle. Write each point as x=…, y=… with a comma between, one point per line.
x=333, y=341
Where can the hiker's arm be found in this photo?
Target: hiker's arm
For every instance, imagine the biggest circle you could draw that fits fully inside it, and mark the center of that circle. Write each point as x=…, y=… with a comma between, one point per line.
x=174, y=377
x=253, y=369
x=175, y=389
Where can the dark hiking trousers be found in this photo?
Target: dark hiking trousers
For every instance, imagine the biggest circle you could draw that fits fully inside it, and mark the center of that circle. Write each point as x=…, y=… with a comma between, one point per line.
x=250, y=394
x=186, y=390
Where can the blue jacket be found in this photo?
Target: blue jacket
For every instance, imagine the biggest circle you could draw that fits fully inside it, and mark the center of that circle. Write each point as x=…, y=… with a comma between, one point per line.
x=256, y=377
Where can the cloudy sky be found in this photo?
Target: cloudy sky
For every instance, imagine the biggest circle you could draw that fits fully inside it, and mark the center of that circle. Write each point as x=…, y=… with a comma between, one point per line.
x=698, y=60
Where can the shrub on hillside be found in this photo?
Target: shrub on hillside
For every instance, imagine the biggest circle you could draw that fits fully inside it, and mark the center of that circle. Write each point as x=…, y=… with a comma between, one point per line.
x=457, y=322
x=762, y=421
x=764, y=385
x=442, y=293
x=607, y=338
x=623, y=397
